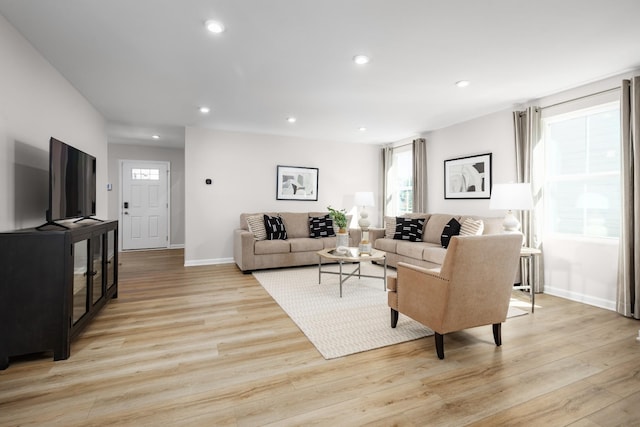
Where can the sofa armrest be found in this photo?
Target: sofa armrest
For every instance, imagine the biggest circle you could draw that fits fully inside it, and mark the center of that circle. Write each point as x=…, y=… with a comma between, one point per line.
x=243, y=250
x=375, y=234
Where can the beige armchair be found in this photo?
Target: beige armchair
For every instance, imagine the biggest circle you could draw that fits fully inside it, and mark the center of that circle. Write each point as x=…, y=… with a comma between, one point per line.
x=472, y=288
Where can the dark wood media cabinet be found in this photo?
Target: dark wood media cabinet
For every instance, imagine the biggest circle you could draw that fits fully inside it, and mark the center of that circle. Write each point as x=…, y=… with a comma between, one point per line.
x=52, y=283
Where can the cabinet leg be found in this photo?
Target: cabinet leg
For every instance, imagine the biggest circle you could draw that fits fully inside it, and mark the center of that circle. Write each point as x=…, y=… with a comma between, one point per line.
x=4, y=362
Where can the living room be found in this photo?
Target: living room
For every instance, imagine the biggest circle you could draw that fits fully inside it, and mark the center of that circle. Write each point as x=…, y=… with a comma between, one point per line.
x=39, y=102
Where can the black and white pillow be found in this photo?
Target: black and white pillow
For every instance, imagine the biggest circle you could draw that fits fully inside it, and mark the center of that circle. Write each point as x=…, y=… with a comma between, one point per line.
x=274, y=227
x=451, y=229
x=321, y=226
x=409, y=229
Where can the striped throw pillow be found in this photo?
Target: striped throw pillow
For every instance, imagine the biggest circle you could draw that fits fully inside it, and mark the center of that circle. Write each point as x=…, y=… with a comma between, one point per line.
x=255, y=223
x=471, y=227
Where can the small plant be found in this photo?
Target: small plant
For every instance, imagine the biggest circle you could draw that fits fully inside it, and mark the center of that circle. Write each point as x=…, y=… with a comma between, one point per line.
x=339, y=217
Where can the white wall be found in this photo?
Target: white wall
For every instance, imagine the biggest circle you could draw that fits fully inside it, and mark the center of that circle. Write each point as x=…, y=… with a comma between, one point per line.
x=36, y=104
x=243, y=169
x=489, y=134
x=175, y=156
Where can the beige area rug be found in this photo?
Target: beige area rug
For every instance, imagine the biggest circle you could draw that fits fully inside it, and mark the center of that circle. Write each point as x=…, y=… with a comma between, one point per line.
x=359, y=321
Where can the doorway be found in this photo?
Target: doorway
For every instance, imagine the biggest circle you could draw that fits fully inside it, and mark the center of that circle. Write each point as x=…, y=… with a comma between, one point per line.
x=144, y=204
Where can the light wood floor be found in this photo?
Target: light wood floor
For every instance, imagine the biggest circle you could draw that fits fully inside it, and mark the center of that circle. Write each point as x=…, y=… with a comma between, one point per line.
x=208, y=346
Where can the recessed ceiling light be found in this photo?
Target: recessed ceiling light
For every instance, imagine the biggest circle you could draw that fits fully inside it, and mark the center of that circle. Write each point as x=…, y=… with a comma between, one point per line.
x=361, y=59
x=204, y=110
x=215, y=27
x=463, y=83
x=362, y=129
x=155, y=136
x=291, y=119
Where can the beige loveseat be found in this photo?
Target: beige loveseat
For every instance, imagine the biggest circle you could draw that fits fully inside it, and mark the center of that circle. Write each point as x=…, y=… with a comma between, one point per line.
x=298, y=249
x=429, y=253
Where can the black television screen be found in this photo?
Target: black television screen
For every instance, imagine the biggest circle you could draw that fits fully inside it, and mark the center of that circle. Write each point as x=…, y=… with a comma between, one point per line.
x=72, y=182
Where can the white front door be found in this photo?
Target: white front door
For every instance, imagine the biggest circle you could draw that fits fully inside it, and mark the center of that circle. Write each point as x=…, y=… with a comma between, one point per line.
x=145, y=204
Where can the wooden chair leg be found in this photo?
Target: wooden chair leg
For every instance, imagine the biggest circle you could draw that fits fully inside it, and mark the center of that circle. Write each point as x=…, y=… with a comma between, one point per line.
x=497, y=333
x=439, y=345
x=394, y=318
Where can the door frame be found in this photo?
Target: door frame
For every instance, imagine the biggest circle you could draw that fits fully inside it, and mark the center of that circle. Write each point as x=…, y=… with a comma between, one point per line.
x=120, y=201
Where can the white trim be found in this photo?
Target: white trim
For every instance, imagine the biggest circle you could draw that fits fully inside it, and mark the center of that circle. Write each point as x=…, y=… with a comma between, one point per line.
x=579, y=297
x=213, y=261
x=177, y=246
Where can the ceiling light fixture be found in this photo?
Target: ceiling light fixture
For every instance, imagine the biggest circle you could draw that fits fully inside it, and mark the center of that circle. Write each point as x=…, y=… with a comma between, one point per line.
x=204, y=110
x=291, y=119
x=215, y=27
x=361, y=59
x=362, y=129
x=462, y=83
x=155, y=136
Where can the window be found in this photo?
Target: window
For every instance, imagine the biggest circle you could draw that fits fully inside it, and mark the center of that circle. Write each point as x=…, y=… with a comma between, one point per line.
x=582, y=172
x=146, y=174
x=400, y=182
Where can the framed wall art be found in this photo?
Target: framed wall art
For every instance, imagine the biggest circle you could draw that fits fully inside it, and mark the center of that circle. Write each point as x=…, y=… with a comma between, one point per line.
x=297, y=183
x=468, y=177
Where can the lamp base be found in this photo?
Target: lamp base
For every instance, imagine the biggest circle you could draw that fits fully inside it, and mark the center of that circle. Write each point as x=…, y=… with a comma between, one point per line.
x=510, y=224
x=365, y=245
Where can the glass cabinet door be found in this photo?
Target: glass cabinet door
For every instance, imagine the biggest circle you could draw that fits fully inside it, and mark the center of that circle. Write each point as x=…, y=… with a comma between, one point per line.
x=111, y=251
x=81, y=276
x=96, y=261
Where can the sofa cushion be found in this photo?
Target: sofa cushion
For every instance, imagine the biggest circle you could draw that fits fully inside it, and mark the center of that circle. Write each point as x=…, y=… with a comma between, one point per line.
x=452, y=228
x=255, y=223
x=386, y=245
x=275, y=228
x=297, y=223
x=411, y=249
x=306, y=244
x=409, y=229
x=471, y=227
x=434, y=253
x=435, y=225
x=321, y=227
x=265, y=247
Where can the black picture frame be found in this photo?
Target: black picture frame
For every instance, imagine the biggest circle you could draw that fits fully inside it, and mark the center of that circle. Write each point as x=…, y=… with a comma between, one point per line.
x=296, y=183
x=468, y=177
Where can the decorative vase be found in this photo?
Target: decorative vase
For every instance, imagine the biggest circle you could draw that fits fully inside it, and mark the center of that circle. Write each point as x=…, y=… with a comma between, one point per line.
x=342, y=238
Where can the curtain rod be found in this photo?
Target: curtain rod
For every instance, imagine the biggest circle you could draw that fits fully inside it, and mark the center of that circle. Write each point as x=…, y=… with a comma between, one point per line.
x=582, y=97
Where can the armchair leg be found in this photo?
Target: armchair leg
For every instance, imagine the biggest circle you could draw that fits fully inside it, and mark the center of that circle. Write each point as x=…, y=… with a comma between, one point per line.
x=439, y=345
x=394, y=318
x=497, y=333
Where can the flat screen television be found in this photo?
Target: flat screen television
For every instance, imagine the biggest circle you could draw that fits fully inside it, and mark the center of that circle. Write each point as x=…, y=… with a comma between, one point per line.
x=72, y=182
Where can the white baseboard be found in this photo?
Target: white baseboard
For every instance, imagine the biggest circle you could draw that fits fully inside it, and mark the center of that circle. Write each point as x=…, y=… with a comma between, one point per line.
x=578, y=297
x=177, y=246
x=215, y=261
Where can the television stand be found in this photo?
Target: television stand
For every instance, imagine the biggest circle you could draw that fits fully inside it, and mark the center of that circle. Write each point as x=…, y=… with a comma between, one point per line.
x=88, y=217
x=52, y=224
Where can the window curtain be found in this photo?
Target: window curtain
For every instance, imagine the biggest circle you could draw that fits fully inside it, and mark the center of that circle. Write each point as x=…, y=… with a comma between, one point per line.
x=387, y=162
x=628, y=298
x=527, y=127
x=419, y=175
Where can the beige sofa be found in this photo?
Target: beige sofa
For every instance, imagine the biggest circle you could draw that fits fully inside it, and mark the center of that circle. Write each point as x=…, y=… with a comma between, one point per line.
x=429, y=253
x=298, y=249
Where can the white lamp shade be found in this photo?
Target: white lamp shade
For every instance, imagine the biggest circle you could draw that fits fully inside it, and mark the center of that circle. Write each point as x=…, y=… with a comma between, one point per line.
x=511, y=197
x=364, y=198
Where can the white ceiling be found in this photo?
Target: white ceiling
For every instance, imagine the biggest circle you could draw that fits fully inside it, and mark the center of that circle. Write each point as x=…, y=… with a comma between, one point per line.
x=148, y=65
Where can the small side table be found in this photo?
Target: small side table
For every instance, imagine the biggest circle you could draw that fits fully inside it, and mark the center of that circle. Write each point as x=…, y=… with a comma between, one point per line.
x=532, y=281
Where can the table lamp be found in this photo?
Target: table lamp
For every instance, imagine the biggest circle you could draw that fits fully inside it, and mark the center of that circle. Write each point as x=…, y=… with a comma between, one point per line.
x=511, y=197
x=364, y=199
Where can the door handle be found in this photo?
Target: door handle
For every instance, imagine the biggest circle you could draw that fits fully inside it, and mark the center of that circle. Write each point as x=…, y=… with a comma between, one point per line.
x=126, y=205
